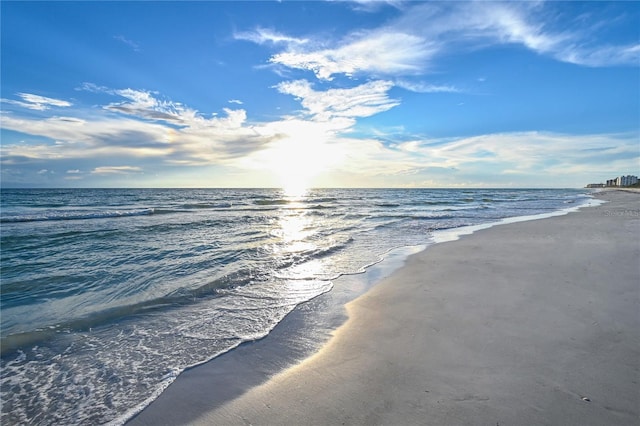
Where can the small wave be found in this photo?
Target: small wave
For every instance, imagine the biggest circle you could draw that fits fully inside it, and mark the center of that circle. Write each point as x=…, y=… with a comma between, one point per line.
x=319, y=207
x=271, y=202
x=48, y=205
x=430, y=203
x=322, y=200
x=417, y=216
x=196, y=206
x=181, y=297
x=76, y=215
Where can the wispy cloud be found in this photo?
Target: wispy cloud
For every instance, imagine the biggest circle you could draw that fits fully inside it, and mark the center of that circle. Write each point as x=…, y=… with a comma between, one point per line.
x=533, y=25
x=145, y=104
x=373, y=52
x=132, y=44
x=601, y=55
x=109, y=170
x=37, y=102
x=267, y=36
x=94, y=88
x=374, y=5
x=360, y=101
x=525, y=153
x=411, y=43
x=421, y=87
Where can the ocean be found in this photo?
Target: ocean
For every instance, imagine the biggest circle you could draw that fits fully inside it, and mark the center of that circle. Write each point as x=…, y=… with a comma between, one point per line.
x=108, y=294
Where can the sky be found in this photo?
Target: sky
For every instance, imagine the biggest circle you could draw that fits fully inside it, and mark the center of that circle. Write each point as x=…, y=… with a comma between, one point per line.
x=319, y=94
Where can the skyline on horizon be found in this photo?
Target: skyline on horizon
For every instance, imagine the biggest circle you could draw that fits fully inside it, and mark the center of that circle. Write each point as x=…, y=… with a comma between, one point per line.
x=319, y=94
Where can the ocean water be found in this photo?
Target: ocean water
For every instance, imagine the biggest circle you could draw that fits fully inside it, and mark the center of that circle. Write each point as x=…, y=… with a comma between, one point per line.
x=108, y=294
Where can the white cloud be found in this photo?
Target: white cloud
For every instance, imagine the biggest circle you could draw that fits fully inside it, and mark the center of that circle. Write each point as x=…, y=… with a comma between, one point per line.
x=142, y=103
x=375, y=52
x=265, y=36
x=42, y=102
x=145, y=104
x=541, y=154
x=94, y=88
x=409, y=44
x=502, y=159
x=109, y=170
x=601, y=56
x=37, y=102
x=420, y=87
x=78, y=138
x=534, y=25
x=235, y=101
x=360, y=101
x=140, y=99
x=507, y=23
x=145, y=127
x=146, y=131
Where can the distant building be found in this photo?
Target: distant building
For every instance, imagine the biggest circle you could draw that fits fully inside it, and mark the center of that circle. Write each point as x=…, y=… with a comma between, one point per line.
x=626, y=180
x=621, y=181
x=595, y=185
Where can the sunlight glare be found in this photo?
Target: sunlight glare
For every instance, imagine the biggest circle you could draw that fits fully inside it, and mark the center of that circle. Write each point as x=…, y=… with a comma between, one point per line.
x=302, y=156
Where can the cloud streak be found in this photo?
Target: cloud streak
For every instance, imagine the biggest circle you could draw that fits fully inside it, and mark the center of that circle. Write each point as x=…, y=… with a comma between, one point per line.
x=132, y=44
x=267, y=36
x=410, y=44
x=120, y=170
x=421, y=87
x=37, y=102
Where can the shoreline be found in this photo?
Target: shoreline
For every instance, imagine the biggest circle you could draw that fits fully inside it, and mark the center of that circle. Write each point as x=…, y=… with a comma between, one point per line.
x=298, y=336
x=293, y=394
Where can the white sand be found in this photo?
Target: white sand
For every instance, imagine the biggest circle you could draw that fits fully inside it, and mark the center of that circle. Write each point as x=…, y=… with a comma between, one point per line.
x=513, y=325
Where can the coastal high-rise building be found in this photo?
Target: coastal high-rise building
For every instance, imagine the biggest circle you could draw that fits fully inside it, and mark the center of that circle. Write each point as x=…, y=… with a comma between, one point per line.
x=627, y=180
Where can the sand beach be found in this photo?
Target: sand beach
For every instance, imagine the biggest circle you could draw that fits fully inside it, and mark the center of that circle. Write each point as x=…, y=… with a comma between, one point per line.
x=530, y=323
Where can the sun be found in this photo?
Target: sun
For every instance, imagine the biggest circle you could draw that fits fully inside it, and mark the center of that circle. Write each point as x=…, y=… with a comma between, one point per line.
x=302, y=156
x=295, y=166
x=296, y=189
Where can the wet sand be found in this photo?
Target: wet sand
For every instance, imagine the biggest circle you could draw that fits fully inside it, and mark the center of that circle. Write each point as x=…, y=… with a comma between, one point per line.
x=527, y=323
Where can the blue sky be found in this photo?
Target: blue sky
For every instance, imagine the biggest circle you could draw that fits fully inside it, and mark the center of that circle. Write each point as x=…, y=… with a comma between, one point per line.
x=323, y=94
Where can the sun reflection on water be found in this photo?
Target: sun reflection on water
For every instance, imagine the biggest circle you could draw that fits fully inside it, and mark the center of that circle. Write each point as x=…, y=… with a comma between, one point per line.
x=297, y=240
x=295, y=229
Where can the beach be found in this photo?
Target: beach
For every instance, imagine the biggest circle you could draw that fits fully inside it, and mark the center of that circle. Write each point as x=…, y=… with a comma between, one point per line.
x=535, y=322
